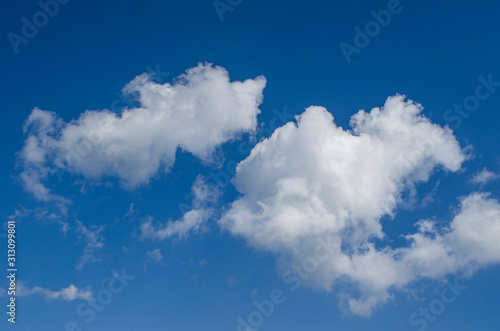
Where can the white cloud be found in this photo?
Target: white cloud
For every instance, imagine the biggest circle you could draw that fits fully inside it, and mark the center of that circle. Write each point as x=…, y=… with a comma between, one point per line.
x=199, y=112
x=468, y=243
x=315, y=176
x=131, y=210
x=204, y=193
x=484, y=177
x=42, y=214
x=192, y=221
x=314, y=179
x=69, y=293
x=94, y=242
x=155, y=256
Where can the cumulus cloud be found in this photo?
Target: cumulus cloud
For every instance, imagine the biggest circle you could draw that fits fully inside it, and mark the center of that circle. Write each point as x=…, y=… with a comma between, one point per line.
x=314, y=176
x=69, y=293
x=313, y=179
x=201, y=110
x=462, y=247
x=469, y=242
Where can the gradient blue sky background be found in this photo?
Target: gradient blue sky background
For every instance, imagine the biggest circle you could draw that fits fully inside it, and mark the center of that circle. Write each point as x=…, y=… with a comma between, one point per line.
x=433, y=52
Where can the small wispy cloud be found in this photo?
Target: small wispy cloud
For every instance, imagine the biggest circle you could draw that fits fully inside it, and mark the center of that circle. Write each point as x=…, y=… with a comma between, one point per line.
x=42, y=214
x=204, y=193
x=483, y=177
x=192, y=221
x=94, y=242
x=131, y=210
x=154, y=256
x=69, y=293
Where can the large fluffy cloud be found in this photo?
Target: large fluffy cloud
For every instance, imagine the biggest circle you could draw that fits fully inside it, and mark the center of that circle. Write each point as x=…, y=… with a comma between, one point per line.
x=314, y=180
x=201, y=110
x=315, y=176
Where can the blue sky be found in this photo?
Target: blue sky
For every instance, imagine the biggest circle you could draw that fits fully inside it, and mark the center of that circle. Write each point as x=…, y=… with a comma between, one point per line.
x=82, y=225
